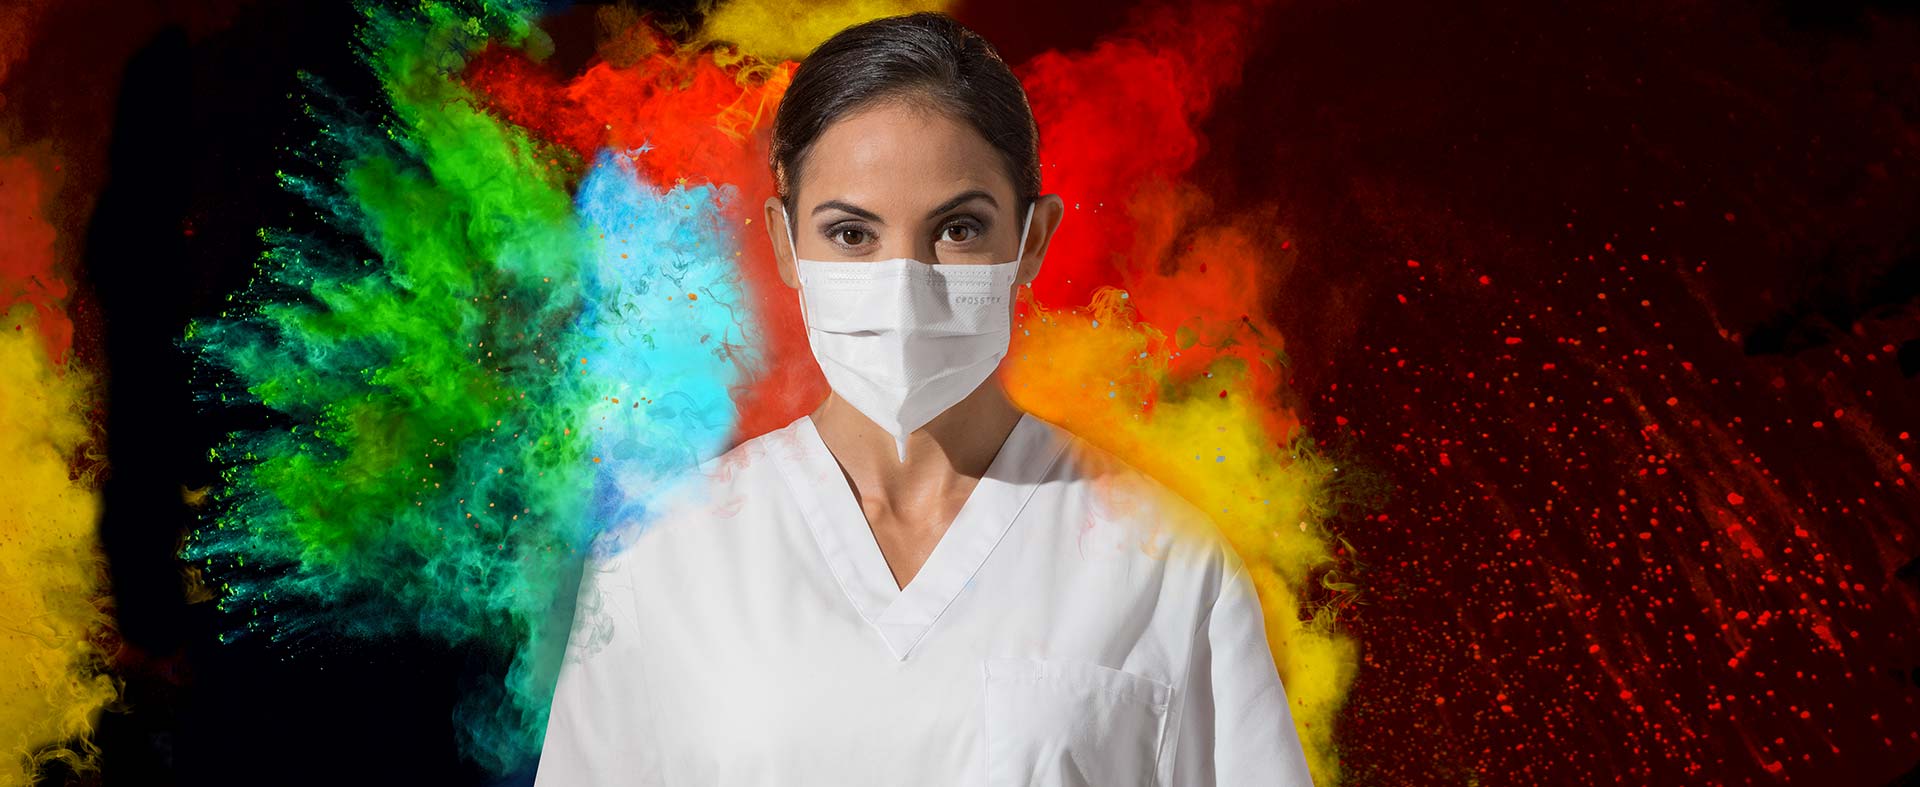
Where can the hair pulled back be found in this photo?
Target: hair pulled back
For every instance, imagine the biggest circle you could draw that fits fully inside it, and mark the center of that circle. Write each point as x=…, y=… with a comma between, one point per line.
x=927, y=59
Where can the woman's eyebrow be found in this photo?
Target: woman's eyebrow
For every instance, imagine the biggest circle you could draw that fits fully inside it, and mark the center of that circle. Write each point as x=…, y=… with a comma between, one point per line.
x=962, y=197
x=956, y=201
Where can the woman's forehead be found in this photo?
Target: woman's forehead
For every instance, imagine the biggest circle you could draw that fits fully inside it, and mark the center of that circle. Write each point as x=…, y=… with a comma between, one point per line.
x=898, y=154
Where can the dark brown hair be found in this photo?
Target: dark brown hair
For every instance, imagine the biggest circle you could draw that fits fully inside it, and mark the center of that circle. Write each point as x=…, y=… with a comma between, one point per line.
x=927, y=58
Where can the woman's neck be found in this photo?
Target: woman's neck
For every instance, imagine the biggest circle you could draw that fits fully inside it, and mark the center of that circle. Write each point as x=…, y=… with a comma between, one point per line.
x=960, y=442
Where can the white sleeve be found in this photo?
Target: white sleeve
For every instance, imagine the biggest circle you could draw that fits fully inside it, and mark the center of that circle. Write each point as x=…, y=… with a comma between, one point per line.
x=599, y=731
x=1237, y=727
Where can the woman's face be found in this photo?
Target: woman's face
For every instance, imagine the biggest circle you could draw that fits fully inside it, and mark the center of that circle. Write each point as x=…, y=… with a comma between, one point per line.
x=897, y=180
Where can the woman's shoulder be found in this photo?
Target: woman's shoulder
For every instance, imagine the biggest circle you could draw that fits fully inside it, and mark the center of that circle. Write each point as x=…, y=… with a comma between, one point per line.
x=1135, y=504
x=702, y=501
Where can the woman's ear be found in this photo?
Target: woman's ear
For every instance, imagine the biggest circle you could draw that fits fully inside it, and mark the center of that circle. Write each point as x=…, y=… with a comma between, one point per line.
x=1048, y=210
x=778, y=235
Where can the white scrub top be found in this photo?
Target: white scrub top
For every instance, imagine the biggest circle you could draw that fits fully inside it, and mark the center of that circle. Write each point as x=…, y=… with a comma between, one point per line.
x=1077, y=624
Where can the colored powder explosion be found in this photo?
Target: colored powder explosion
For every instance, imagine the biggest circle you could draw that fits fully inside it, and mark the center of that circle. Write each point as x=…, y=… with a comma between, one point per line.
x=1641, y=369
x=1594, y=349
x=463, y=412
x=545, y=296
x=55, y=627
x=1171, y=364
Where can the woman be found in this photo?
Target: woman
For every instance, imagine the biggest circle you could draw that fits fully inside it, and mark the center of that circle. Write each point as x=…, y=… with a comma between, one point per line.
x=917, y=583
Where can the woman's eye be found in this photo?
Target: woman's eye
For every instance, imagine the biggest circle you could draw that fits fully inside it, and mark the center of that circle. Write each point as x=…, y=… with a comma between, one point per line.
x=850, y=236
x=967, y=233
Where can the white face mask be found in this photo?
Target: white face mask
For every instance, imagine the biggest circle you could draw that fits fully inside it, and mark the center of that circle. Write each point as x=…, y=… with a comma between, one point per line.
x=903, y=340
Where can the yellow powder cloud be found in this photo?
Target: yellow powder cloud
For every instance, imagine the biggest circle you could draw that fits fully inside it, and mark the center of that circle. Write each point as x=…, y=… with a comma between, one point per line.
x=52, y=672
x=776, y=30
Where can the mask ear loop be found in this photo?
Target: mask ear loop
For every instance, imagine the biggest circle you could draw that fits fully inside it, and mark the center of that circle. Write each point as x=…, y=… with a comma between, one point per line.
x=1020, y=254
x=794, y=251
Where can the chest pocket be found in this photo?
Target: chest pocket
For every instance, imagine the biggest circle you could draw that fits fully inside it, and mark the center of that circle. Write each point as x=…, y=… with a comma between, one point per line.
x=1072, y=724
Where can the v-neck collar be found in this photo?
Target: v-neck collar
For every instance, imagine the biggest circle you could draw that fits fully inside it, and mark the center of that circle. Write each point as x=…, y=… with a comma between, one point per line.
x=903, y=616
